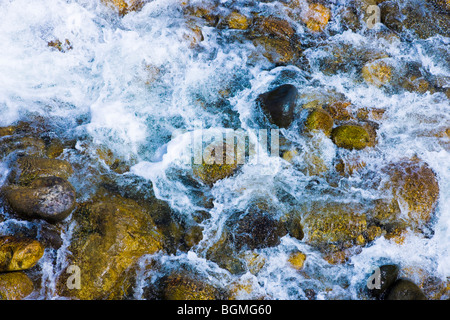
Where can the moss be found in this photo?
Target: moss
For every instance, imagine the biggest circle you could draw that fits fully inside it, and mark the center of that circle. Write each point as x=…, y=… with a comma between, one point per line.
x=19, y=253
x=351, y=137
x=15, y=286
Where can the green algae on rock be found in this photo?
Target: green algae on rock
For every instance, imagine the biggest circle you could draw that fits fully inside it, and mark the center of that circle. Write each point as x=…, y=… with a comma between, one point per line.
x=320, y=120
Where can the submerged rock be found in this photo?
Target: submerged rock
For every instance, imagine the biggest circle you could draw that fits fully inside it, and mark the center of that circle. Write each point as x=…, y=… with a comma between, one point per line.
x=28, y=169
x=377, y=73
x=297, y=260
x=19, y=253
x=387, y=277
x=319, y=120
x=415, y=188
x=112, y=233
x=278, y=104
x=15, y=286
x=236, y=20
x=49, y=198
x=316, y=17
x=183, y=287
x=124, y=6
x=351, y=137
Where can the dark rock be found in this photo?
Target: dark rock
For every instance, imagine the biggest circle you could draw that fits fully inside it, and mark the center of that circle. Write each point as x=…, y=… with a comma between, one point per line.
x=278, y=104
x=388, y=275
x=49, y=198
x=405, y=290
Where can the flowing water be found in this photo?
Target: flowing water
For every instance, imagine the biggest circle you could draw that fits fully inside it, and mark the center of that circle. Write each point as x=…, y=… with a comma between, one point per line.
x=130, y=82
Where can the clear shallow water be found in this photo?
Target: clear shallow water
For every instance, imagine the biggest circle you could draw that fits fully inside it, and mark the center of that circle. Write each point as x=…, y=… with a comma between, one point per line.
x=106, y=88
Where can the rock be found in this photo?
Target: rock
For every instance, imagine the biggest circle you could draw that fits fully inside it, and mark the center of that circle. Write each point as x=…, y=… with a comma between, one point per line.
x=351, y=137
x=182, y=287
x=279, y=51
x=111, y=234
x=124, y=6
x=415, y=187
x=339, y=110
x=316, y=17
x=19, y=253
x=256, y=229
x=377, y=73
x=49, y=198
x=54, y=149
x=319, y=120
x=7, y=131
x=297, y=260
x=408, y=16
x=15, y=286
x=62, y=47
x=237, y=21
x=28, y=169
x=388, y=275
x=275, y=27
x=333, y=226
x=212, y=168
x=404, y=289
x=22, y=145
x=278, y=104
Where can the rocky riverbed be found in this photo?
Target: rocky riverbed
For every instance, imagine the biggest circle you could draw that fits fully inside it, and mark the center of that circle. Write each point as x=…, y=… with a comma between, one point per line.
x=343, y=170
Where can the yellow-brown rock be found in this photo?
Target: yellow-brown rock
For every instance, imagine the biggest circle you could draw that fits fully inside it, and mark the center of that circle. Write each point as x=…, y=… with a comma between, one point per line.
x=19, y=253
x=112, y=233
x=15, y=286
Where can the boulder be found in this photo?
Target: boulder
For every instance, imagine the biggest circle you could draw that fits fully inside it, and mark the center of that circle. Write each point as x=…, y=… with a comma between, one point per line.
x=351, y=136
x=15, y=286
x=19, y=253
x=319, y=120
x=111, y=234
x=183, y=287
x=404, y=289
x=278, y=104
x=29, y=168
x=50, y=198
x=415, y=188
x=388, y=275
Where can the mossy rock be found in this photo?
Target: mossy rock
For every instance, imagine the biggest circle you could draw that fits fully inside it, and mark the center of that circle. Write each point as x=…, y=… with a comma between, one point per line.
x=124, y=6
x=15, y=286
x=49, y=198
x=279, y=51
x=22, y=145
x=112, y=233
x=236, y=20
x=18, y=254
x=319, y=120
x=415, y=187
x=29, y=168
x=183, y=287
x=212, y=168
x=333, y=226
x=351, y=137
x=297, y=260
